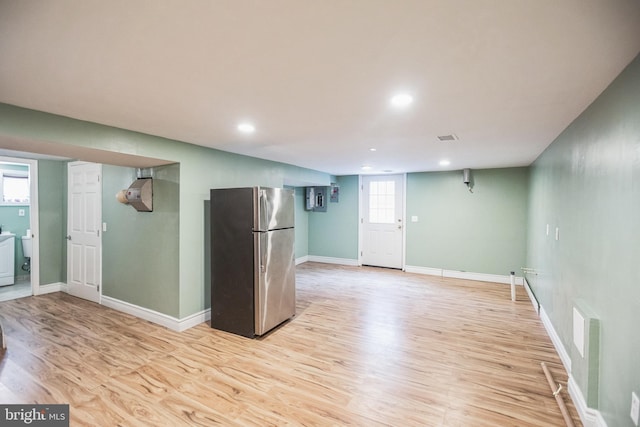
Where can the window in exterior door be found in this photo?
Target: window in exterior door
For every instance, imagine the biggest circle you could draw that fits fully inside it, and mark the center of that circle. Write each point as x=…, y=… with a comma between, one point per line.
x=382, y=202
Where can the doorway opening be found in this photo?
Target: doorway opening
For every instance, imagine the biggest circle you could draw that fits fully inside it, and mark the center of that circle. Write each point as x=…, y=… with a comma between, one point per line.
x=18, y=227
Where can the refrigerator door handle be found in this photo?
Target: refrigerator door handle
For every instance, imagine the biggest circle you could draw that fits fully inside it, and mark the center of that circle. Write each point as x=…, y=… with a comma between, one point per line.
x=263, y=217
x=263, y=253
x=260, y=282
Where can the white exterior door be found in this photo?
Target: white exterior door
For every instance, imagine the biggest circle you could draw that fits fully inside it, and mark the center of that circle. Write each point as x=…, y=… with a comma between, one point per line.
x=382, y=216
x=84, y=239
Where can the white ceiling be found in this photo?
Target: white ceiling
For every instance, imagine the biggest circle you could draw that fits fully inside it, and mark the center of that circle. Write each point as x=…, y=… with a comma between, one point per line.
x=315, y=77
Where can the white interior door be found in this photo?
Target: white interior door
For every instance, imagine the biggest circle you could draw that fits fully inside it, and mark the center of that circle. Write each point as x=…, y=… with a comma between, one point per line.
x=84, y=240
x=382, y=216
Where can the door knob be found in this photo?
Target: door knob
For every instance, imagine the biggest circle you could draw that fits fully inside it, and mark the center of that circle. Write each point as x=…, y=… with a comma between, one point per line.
x=68, y=237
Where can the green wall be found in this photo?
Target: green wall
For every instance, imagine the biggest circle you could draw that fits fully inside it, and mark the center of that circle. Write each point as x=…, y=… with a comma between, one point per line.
x=480, y=232
x=140, y=259
x=334, y=233
x=301, y=224
x=52, y=215
x=200, y=170
x=587, y=183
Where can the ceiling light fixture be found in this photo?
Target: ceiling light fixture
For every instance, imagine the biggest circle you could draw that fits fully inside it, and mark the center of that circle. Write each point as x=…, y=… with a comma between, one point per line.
x=445, y=162
x=372, y=149
x=366, y=168
x=246, y=127
x=401, y=100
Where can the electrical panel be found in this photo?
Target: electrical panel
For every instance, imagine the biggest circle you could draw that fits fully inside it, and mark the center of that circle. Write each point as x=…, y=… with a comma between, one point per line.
x=316, y=199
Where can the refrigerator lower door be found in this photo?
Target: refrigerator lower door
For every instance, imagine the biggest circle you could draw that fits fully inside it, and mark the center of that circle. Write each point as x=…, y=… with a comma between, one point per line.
x=275, y=279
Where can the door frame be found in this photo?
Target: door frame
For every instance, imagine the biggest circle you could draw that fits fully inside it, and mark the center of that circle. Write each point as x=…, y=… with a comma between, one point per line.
x=361, y=208
x=33, y=219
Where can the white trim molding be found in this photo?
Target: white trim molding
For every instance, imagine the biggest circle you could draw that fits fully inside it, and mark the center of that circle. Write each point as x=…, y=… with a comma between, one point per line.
x=331, y=260
x=302, y=259
x=481, y=277
x=555, y=339
x=194, y=320
x=532, y=297
x=466, y=275
x=49, y=288
x=423, y=270
x=162, y=319
x=589, y=417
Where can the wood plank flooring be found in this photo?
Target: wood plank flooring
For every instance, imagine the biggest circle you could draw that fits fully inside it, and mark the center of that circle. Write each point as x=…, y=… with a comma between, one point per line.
x=368, y=347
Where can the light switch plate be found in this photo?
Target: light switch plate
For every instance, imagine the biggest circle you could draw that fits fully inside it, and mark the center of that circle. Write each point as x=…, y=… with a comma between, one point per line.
x=414, y=218
x=20, y=212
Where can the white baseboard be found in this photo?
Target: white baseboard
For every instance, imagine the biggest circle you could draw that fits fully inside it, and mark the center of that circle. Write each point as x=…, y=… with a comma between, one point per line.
x=589, y=417
x=532, y=297
x=194, y=320
x=481, y=277
x=555, y=339
x=302, y=259
x=331, y=260
x=466, y=275
x=50, y=288
x=165, y=320
x=423, y=270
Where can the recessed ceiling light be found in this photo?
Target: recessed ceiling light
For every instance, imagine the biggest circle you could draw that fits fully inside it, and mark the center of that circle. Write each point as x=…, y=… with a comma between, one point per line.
x=401, y=100
x=246, y=127
x=445, y=162
x=372, y=149
x=366, y=168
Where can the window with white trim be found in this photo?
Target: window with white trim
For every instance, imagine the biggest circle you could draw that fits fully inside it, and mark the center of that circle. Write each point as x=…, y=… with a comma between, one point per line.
x=15, y=188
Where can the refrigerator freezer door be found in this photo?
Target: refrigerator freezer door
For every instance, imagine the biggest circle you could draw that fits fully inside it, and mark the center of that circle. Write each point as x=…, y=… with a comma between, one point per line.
x=274, y=208
x=275, y=279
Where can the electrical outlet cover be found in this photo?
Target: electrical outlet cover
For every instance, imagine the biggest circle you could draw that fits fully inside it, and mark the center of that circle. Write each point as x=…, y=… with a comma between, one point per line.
x=635, y=407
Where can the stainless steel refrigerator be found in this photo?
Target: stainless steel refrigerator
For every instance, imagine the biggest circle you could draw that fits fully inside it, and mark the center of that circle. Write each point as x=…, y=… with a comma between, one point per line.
x=252, y=259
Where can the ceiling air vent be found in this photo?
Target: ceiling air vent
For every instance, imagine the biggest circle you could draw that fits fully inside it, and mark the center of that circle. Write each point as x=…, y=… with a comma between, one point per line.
x=447, y=138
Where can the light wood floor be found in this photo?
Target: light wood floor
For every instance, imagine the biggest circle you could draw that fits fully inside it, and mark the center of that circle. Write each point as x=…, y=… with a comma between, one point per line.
x=368, y=347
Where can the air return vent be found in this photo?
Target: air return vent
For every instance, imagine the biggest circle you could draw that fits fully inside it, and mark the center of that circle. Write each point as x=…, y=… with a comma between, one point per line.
x=447, y=138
